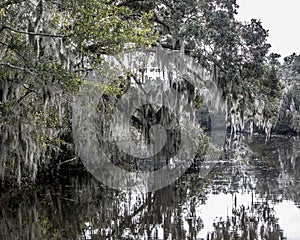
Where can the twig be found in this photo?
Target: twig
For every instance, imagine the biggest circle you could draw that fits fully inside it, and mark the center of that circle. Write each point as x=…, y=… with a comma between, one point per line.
x=67, y=199
x=70, y=160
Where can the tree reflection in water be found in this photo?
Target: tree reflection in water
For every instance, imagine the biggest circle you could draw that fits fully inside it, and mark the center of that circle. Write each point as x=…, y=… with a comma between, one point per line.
x=256, y=222
x=83, y=209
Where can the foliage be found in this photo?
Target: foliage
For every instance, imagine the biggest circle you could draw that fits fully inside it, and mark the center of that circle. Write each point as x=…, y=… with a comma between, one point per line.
x=289, y=115
x=235, y=52
x=49, y=47
x=46, y=49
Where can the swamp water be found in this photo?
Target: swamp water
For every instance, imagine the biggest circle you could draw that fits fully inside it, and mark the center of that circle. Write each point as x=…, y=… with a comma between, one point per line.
x=252, y=193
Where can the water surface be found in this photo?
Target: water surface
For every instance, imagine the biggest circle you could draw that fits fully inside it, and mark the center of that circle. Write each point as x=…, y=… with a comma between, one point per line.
x=252, y=193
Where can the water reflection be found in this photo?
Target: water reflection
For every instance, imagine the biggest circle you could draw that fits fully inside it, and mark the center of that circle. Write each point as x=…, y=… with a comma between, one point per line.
x=253, y=193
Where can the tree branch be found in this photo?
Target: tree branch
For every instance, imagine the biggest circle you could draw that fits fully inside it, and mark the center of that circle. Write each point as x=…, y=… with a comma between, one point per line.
x=17, y=52
x=16, y=67
x=29, y=91
x=123, y=3
x=33, y=33
x=161, y=22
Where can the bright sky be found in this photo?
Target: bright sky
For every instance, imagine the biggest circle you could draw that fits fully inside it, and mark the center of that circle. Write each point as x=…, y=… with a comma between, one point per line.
x=280, y=17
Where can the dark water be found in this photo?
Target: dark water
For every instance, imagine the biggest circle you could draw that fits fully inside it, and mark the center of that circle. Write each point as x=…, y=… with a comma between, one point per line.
x=253, y=193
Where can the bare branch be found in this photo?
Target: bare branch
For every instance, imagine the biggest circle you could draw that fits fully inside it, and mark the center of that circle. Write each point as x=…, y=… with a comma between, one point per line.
x=16, y=67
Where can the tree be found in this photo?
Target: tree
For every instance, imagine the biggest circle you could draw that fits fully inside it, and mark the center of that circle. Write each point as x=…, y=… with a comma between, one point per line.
x=236, y=52
x=289, y=118
x=46, y=48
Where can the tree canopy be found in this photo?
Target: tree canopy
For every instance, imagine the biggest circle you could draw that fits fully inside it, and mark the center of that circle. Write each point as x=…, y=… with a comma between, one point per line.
x=48, y=47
